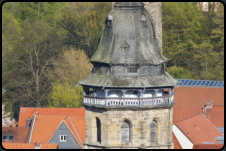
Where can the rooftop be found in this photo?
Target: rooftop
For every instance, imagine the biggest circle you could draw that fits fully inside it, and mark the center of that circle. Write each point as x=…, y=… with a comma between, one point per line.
x=26, y=112
x=46, y=125
x=7, y=145
x=197, y=96
x=208, y=146
x=20, y=133
x=199, y=129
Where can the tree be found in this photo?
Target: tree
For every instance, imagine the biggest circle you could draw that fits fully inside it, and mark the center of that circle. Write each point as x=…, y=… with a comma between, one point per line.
x=32, y=62
x=66, y=96
x=84, y=22
x=71, y=66
x=5, y=117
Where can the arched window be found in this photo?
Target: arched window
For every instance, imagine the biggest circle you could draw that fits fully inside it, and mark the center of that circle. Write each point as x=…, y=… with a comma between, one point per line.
x=109, y=20
x=98, y=130
x=143, y=21
x=153, y=131
x=125, y=47
x=125, y=132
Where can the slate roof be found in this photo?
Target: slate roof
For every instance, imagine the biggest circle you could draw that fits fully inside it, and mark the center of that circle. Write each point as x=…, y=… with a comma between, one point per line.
x=127, y=27
x=197, y=96
x=208, y=146
x=46, y=125
x=142, y=49
x=205, y=131
x=26, y=112
x=20, y=133
x=7, y=145
x=108, y=80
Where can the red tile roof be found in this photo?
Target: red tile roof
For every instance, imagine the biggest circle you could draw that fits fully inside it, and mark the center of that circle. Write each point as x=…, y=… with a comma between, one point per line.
x=7, y=145
x=70, y=125
x=208, y=146
x=176, y=143
x=197, y=96
x=26, y=112
x=216, y=115
x=46, y=125
x=20, y=133
x=205, y=131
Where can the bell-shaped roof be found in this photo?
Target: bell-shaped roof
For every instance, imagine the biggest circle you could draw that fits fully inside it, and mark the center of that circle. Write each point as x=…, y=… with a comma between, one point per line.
x=135, y=26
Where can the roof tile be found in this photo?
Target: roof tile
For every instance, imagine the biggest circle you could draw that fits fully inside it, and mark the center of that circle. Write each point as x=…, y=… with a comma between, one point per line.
x=26, y=112
x=197, y=96
x=7, y=145
x=205, y=131
x=20, y=133
x=208, y=146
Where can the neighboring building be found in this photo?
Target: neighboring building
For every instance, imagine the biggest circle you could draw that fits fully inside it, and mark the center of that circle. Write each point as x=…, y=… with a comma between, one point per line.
x=53, y=125
x=197, y=130
x=15, y=134
x=125, y=96
x=37, y=145
x=208, y=146
x=26, y=112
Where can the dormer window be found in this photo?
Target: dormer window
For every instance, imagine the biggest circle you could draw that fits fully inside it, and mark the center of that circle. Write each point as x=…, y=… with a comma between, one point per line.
x=109, y=20
x=131, y=69
x=63, y=138
x=125, y=47
x=143, y=21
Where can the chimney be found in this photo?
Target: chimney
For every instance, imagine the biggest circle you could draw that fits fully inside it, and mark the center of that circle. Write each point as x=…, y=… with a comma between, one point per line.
x=37, y=145
x=28, y=122
x=36, y=111
x=195, y=126
x=13, y=123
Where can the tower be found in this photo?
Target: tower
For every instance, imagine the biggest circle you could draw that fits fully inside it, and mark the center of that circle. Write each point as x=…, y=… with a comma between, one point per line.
x=128, y=96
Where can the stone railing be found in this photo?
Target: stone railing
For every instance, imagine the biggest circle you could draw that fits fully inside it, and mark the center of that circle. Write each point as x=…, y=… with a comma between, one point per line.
x=153, y=101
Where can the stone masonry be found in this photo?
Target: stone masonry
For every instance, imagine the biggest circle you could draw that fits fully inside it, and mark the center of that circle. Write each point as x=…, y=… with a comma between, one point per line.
x=140, y=122
x=155, y=10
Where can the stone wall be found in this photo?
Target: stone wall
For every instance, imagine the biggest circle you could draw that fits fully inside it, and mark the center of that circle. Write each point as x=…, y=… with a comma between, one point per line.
x=155, y=10
x=140, y=121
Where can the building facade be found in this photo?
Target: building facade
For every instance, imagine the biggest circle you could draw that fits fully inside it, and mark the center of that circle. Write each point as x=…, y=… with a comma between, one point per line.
x=128, y=96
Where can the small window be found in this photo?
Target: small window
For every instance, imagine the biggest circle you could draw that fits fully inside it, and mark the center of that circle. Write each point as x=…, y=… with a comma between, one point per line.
x=135, y=92
x=125, y=47
x=4, y=137
x=11, y=137
x=143, y=21
x=132, y=69
x=153, y=131
x=63, y=138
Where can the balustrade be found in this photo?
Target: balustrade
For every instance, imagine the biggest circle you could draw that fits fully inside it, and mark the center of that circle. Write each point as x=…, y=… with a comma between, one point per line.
x=165, y=100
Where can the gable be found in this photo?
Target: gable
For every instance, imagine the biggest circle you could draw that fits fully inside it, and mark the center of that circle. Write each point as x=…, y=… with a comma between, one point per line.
x=71, y=142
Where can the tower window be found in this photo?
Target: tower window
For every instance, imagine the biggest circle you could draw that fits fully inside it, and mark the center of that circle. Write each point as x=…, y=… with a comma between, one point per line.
x=143, y=21
x=125, y=47
x=131, y=69
x=153, y=131
x=125, y=132
x=98, y=130
x=109, y=20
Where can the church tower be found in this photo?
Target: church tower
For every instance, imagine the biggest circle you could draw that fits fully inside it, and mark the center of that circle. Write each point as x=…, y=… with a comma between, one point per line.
x=128, y=96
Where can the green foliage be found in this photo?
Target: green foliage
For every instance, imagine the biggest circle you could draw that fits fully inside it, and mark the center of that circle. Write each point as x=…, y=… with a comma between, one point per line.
x=179, y=72
x=188, y=44
x=66, y=96
x=84, y=22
